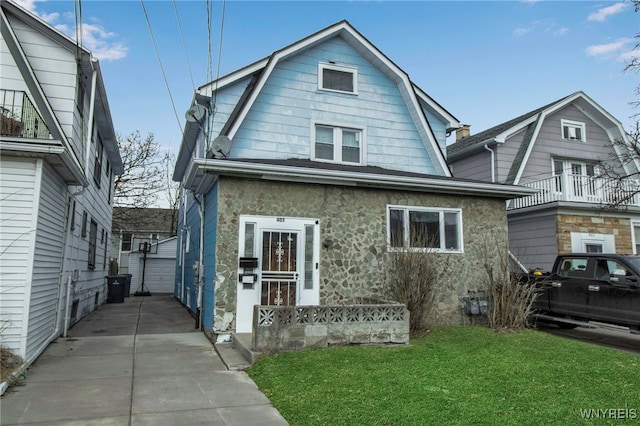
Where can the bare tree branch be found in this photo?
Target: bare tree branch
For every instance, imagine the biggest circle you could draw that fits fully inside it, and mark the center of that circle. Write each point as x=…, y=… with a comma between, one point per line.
x=144, y=171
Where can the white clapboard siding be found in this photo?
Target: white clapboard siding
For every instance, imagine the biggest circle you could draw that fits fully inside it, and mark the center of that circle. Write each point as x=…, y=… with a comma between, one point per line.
x=11, y=77
x=45, y=285
x=56, y=70
x=18, y=192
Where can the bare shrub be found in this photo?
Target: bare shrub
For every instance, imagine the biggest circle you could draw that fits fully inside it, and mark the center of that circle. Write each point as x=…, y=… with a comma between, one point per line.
x=412, y=278
x=510, y=298
x=9, y=363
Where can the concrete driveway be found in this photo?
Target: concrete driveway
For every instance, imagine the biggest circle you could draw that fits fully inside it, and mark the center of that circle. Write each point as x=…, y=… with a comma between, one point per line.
x=135, y=363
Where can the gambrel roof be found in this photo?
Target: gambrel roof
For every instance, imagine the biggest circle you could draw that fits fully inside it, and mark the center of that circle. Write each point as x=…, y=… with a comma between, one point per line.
x=260, y=71
x=531, y=123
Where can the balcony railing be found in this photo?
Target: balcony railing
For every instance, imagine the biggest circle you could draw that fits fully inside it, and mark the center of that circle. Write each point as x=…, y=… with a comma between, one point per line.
x=580, y=188
x=19, y=118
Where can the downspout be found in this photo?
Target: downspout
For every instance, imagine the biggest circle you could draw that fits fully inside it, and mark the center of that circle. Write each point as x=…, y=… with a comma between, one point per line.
x=67, y=317
x=92, y=101
x=493, y=165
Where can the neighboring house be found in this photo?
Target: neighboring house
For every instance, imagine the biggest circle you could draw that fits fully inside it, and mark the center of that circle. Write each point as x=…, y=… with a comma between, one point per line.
x=133, y=226
x=558, y=149
x=318, y=161
x=59, y=158
x=157, y=268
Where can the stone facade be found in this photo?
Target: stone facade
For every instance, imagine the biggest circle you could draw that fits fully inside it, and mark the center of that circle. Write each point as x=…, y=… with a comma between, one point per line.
x=353, y=228
x=618, y=226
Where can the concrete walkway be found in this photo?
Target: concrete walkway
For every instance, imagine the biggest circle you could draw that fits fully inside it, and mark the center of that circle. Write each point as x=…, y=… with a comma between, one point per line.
x=135, y=363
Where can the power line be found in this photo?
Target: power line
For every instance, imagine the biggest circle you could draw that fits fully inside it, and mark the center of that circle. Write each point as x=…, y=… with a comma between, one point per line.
x=184, y=47
x=164, y=76
x=215, y=89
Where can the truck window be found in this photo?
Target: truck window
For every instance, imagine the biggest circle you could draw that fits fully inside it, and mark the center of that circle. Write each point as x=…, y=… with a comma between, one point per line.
x=573, y=267
x=605, y=269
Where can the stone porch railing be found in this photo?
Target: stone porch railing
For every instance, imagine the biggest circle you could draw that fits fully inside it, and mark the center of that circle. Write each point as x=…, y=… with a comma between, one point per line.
x=285, y=328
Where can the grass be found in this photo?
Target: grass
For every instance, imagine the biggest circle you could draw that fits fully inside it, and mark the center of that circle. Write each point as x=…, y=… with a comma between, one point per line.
x=454, y=375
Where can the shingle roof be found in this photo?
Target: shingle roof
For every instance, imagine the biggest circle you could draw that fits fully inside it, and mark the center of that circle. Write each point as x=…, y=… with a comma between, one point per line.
x=481, y=138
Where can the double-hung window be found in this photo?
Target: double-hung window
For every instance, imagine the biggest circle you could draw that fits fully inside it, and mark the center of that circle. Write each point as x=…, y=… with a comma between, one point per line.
x=338, y=144
x=337, y=78
x=93, y=240
x=573, y=130
x=97, y=162
x=423, y=228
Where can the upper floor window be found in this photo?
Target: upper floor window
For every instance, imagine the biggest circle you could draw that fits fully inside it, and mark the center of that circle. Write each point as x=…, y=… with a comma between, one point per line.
x=338, y=144
x=337, y=78
x=424, y=228
x=125, y=244
x=573, y=130
x=97, y=163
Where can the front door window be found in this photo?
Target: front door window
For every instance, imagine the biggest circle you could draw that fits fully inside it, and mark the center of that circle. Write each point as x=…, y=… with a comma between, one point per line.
x=279, y=273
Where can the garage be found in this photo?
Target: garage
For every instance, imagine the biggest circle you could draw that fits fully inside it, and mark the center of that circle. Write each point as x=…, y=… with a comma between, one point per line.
x=159, y=272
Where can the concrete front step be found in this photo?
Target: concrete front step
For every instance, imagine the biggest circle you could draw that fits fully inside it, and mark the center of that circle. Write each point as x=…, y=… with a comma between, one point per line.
x=237, y=354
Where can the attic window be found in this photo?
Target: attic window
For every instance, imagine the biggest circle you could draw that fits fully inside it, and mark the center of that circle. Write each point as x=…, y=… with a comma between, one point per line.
x=573, y=130
x=337, y=78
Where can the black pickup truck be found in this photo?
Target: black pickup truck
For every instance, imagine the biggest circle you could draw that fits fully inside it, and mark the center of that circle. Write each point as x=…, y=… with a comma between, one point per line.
x=591, y=287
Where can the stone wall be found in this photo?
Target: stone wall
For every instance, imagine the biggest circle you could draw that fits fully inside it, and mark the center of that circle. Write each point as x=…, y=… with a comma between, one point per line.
x=619, y=227
x=287, y=328
x=352, y=266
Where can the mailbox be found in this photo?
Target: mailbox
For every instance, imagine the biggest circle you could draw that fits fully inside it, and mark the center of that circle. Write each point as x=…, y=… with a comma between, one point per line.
x=248, y=278
x=248, y=262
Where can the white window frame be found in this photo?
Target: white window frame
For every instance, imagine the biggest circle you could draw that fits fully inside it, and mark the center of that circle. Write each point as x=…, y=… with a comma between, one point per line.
x=634, y=241
x=573, y=125
x=337, y=142
x=406, y=237
x=342, y=68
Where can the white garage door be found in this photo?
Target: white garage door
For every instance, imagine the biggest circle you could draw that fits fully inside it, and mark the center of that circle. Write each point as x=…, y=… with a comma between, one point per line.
x=158, y=276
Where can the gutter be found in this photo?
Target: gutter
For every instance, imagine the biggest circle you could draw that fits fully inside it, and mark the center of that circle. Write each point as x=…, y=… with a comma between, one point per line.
x=92, y=102
x=201, y=167
x=493, y=164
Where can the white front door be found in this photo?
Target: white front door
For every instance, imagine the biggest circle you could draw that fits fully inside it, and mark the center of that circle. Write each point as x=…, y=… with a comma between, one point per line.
x=278, y=264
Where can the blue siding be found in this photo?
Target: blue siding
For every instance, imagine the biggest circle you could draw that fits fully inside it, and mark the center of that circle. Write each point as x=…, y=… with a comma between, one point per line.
x=279, y=124
x=210, y=239
x=190, y=284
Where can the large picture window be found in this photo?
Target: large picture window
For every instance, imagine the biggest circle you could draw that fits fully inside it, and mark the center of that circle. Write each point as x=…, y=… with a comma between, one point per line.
x=424, y=228
x=338, y=144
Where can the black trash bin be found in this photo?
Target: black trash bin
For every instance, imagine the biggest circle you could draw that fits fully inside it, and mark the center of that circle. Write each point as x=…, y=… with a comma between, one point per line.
x=115, y=287
x=127, y=285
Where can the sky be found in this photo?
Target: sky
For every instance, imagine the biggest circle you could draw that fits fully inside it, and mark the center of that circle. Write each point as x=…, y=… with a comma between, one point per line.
x=485, y=62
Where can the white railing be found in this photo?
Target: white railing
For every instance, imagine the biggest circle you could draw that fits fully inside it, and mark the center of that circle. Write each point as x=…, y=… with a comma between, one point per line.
x=580, y=188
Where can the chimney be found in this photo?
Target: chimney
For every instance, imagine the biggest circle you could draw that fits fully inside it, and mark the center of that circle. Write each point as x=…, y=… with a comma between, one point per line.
x=463, y=132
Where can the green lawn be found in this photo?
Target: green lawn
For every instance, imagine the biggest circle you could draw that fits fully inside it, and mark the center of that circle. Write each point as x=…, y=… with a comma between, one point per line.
x=454, y=375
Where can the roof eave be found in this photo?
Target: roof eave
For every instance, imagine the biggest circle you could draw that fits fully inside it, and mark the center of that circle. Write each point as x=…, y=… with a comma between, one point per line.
x=201, y=167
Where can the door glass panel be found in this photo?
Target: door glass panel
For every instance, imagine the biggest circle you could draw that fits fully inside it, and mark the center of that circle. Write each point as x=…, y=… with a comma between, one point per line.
x=249, y=239
x=279, y=268
x=308, y=257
